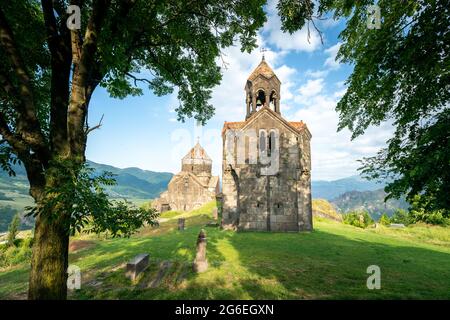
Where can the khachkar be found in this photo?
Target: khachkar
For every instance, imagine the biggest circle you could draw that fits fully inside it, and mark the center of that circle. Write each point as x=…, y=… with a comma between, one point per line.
x=193, y=186
x=266, y=163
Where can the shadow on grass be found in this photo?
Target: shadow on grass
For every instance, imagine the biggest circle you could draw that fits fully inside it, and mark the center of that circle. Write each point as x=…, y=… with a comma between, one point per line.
x=325, y=265
x=328, y=263
x=252, y=265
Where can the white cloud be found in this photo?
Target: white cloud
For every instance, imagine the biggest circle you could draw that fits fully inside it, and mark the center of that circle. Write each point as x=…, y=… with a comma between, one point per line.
x=309, y=89
x=331, y=60
x=287, y=77
x=316, y=74
x=340, y=93
x=334, y=155
x=229, y=97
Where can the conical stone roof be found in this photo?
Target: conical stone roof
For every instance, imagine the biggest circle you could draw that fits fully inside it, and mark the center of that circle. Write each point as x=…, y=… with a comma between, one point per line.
x=262, y=69
x=196, y=155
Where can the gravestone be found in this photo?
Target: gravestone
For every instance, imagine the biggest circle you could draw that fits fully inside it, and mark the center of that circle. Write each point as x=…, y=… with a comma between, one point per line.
x=181, y=223
x=215, y=214
x=397, y=225
x=137, y=265
x=200, y=262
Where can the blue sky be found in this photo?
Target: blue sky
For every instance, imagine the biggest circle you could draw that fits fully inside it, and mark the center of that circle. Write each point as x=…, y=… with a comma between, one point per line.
x=143, y=131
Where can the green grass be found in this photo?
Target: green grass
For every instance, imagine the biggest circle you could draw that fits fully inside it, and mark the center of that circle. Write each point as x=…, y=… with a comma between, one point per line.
x=328, y=263
x=325, y=209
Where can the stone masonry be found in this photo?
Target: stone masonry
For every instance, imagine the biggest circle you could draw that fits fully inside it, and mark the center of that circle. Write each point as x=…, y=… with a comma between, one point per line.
x=193, y=186
x=266, y=163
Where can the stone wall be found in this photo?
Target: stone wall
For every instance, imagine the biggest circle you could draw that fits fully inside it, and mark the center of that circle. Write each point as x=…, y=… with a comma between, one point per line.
x=278, y=202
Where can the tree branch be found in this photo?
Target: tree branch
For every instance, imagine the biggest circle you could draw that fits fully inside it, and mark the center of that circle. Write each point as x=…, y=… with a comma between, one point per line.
x=13, y=140
x=89, y=130
x=81, y=79
x=59, y=44
x=27, y=123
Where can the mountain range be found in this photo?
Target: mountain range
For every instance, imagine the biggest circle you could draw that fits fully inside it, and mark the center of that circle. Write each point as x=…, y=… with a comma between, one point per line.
x=332, y=189
x=139, y=185
x=370, y=201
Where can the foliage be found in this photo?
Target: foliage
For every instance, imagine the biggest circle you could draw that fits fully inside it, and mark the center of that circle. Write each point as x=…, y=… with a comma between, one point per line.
x=401, y=216
x=81, y=195
x=385, y=220
x=418, y=213
x=401, y=75
x=13, y=229
x=7, y=214
x=14, y=255
x=361, y=219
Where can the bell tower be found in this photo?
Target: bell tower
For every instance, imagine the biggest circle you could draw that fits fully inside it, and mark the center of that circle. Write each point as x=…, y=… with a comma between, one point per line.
x=262, y=89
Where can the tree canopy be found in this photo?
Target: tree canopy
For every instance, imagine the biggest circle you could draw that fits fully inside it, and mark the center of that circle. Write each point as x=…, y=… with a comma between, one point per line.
x=49, y=73
x=401, y=74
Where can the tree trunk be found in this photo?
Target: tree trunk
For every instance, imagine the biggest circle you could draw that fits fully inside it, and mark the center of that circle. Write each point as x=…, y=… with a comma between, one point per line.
x=48, y=277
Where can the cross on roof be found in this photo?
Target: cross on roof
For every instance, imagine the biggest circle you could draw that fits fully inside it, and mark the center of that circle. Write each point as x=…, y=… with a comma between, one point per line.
x=262, y=50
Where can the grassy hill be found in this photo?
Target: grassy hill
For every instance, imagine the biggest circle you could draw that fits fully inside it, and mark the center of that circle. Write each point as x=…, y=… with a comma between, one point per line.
x=324, y=209
x=328, y=263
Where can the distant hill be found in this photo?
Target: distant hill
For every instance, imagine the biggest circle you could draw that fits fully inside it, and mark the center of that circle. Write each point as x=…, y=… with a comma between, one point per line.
x=134, y=184
x=371, y=201
x=332, y=189
x=139, y=185
x=131, y=182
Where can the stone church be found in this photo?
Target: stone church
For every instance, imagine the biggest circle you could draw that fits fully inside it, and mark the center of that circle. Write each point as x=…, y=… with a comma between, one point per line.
x=193, y=186
x=266, y=163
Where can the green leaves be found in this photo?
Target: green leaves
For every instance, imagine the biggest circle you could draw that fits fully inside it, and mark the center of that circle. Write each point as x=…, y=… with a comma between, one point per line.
x=294, y=14
x=76, y=191
x=178, y=42
x=402, y=74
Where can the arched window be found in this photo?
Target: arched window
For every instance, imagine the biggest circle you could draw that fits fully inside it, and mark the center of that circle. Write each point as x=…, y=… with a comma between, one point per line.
x=262, y=141
x=273, y=101
x=272, y=141
x=260, y=99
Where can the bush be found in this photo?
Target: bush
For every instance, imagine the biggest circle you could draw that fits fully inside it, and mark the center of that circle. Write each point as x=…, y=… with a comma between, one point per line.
x=360, y=219
x=13, y=255
x=401, y=216
x=13, y=229
x=384, y=220
x=434, y=217
x=420, y=213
